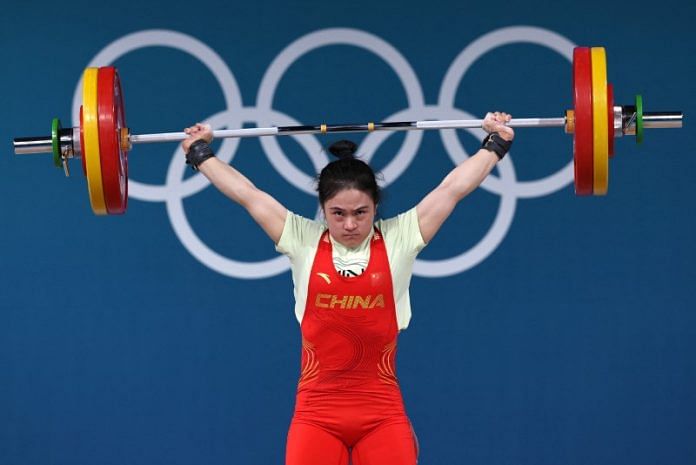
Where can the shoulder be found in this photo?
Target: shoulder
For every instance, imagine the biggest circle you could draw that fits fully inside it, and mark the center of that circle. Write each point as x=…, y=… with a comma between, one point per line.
x=299, y=232
x=402, y=232
x=404, y=222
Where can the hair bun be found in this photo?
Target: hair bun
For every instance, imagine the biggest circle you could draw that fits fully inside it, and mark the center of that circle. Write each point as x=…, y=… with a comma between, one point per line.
x=343, y=149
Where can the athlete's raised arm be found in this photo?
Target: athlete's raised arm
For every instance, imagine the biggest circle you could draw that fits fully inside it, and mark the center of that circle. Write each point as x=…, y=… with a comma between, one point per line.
x=266, y=211
x=436, y=207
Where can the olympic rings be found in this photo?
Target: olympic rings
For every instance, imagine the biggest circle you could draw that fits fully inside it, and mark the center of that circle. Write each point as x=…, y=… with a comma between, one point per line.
x=176, y=188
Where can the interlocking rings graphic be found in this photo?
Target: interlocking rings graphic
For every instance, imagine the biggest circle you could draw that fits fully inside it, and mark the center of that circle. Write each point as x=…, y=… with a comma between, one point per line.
x=176, y=189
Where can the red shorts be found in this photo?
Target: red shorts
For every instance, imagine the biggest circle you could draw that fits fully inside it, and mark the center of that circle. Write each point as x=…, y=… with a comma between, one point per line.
x=391, y=443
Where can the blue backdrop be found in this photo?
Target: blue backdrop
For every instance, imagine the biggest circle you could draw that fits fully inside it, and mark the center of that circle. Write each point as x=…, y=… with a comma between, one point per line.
x=547, y=329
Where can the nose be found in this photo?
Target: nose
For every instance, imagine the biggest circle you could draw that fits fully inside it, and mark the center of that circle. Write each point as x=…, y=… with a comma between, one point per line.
x=350, y=224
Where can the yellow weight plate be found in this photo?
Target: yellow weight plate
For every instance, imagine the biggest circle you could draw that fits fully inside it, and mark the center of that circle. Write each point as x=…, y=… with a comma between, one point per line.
x=600, y=122
x=90, y=124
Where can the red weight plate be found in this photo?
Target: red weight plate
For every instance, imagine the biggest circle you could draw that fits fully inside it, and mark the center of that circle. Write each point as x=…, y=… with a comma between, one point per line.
x=121, y=124
x=583, y=151
x=112, y=157
x=610, y=101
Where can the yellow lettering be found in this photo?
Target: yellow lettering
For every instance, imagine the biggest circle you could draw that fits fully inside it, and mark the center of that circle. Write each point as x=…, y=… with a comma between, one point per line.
x=378, y=302
x=349, y=301
x=334, y=301
x=319, y=302
x=359, y=300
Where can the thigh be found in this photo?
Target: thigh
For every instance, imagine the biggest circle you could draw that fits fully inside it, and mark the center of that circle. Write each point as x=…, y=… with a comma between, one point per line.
x=311, y=445
x=393, y=444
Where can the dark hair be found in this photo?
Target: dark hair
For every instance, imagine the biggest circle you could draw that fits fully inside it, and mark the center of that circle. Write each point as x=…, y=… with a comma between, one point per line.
x=346, y=173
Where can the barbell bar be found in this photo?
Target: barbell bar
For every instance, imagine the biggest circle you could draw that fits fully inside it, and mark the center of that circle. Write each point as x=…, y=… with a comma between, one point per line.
x=103, y=140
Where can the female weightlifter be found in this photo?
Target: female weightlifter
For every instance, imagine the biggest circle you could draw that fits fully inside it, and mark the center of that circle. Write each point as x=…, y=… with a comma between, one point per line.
x=351, y=278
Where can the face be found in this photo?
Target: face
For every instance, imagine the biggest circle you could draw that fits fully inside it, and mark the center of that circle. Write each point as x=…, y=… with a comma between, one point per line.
x=349, y=215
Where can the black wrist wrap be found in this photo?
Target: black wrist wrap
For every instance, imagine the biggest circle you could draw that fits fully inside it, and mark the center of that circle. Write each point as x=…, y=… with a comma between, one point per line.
x=497, y=144
x=199, y=152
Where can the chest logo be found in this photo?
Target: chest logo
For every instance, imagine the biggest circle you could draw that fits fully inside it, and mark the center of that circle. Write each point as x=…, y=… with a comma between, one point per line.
x=325, y=276
x=349, y=302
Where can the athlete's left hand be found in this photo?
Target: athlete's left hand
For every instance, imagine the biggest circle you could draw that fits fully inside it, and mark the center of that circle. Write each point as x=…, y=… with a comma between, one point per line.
x=495, y=122
x=195, y=132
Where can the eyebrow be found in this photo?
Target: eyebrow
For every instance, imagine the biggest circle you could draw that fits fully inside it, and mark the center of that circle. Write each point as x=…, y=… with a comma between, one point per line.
x=362, y=207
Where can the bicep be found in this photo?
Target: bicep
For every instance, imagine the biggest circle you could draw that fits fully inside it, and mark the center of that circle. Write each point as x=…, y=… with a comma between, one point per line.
x=267, y=212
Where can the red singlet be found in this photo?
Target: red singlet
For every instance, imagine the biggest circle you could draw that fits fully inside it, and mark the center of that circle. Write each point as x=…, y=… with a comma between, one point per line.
x=348, y=398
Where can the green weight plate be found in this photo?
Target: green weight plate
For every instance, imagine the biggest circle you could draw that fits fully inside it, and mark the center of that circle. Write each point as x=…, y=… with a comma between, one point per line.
x=639, y=119
x=55, y=142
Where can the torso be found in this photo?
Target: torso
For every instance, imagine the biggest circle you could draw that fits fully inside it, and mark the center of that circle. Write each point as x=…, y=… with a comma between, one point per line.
x=349, y=334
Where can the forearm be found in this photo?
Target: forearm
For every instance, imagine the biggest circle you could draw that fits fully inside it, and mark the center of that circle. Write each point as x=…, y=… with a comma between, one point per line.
x=228, y=180
x=468, y=175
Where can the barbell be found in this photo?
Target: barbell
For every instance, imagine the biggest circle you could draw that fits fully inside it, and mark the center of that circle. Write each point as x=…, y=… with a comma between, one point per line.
x=103, y=140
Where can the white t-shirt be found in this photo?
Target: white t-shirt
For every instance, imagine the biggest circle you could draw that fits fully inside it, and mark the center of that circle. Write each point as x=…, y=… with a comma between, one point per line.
x=402, y=239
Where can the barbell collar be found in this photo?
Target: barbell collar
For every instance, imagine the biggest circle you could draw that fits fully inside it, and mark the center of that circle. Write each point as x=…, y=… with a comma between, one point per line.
x=43, y=144
x=618, y=121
